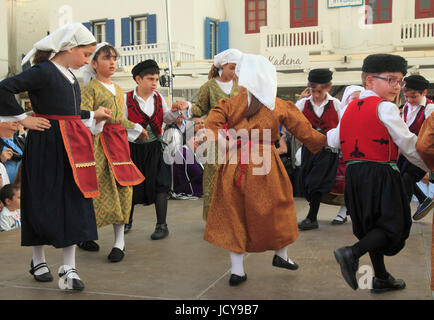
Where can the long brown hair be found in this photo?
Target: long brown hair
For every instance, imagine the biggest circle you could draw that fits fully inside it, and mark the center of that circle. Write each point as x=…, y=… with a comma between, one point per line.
x=41, y=56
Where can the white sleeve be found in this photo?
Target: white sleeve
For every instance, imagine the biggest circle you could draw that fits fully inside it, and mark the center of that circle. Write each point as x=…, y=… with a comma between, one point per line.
x=134, y=133
x=300, y=104
x=91, y=124
x=401, y=135
x=4, y=224
x=19, y=117
x=337, y=105
x=428, y=110
x=168, y=115
x=333, y=137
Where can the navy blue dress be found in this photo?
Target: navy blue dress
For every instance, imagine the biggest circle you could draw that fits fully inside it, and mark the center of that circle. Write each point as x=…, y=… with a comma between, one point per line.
x=53, y=210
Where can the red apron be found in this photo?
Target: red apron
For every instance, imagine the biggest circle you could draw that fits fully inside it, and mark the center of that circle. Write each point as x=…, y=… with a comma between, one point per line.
x=78, y=143
x=117, y=150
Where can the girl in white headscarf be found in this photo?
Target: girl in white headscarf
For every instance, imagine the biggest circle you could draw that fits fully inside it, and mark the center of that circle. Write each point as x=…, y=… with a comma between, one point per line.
x=222, y=83
x=252, y=208
x=57, y=181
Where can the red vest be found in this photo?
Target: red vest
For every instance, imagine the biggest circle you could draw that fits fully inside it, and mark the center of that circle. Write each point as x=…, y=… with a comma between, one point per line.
x=329, y=119
x=363, y=136
x=136, y=115
x=420, y=118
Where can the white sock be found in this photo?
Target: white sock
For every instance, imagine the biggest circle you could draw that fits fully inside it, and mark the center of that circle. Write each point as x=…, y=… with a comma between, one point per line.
x=237, y=263
x=283, y=254
x=69, y=261
x=38, y=256
x=119, y=236
x=343, y=212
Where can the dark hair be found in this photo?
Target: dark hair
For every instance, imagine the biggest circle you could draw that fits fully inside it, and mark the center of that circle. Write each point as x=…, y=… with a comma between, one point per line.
x=107, y=50
x=41, y=56
x=322, y=85
x=213, y=72
x=7, y=192
x=151, y=70
x=405, y=89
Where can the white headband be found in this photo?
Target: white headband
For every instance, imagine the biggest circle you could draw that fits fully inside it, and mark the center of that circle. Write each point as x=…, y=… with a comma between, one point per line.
x=89, y=72
x=227, y=56
x=65, y=38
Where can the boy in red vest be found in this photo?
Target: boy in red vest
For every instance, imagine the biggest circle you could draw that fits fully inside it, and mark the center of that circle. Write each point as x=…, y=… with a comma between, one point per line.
x=318, y=171
x=147, y=107
x=415, y=111
x=369, y=134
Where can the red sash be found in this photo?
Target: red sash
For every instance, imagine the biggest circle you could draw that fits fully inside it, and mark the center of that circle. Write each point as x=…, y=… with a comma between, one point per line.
x=78, y=143
x=117, y=150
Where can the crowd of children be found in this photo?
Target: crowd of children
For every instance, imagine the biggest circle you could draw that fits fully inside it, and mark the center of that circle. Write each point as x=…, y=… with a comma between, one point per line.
x=93, y=153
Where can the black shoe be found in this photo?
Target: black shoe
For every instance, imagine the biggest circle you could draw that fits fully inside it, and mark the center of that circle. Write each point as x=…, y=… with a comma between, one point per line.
x=161, y=231
x=127, y=227
x=89, y=245
x=349, y=265
x=45, y=277
x=70, y=284
x=236, y=280
x=281, y=263
x=337, y=221
x=380, y=285
x=423, y=209
x=116, y=254
x=308, y=224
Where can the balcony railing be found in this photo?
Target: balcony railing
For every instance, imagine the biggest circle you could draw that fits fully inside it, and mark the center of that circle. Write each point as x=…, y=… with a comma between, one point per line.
x=131, y=55
x=313, y=39
x=415, y=33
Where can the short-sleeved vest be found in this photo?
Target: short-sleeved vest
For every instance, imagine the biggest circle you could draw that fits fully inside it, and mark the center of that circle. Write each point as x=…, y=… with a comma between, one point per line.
x=363, y=136
x=418, y=121
x=328, y=120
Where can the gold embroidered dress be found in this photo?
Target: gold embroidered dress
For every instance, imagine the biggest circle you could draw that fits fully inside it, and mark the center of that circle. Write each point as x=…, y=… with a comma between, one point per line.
x=209, y=95
x=259, y=213
x=113, y=206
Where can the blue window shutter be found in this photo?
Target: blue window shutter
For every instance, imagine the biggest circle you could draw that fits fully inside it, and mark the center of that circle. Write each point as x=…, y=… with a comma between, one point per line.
x=87, y=25
x=207, y=38
x=152, y=28
x=223, y=34
x=110, y=31
x=126, y=26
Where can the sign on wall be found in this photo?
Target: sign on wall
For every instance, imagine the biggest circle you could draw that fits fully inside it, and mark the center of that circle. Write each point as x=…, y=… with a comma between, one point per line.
x=344, y=3
x=288, y=60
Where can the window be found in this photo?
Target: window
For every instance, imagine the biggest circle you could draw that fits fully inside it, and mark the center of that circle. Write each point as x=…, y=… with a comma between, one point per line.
x=216, y=37
x=256, y=15
x=303, y=13
x=99, y=31
x=424, y=9
x=378, y=11
x=140, y=31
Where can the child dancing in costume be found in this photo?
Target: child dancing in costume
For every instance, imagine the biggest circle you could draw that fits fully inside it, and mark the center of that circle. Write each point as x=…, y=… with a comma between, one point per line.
x=115, y=171
x=254, y=211
x=58, y=169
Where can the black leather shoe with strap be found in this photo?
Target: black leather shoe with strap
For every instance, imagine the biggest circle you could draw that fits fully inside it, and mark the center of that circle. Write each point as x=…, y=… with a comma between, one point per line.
x=44, y=277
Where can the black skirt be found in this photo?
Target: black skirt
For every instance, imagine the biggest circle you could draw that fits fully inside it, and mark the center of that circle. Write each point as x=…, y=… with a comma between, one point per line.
x=375, y=198
x=317, y=171
x=53, y=210
x=406, y=166
x=148, y=158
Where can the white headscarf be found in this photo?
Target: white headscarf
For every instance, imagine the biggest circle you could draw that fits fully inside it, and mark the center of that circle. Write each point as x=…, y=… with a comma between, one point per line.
x=258, y=75
x=227, y=56
x=89, y=72
x=67, y=37
x=347, y=95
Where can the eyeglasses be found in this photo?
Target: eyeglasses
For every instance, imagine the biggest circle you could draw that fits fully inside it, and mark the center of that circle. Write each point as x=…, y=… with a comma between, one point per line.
x=392, y=81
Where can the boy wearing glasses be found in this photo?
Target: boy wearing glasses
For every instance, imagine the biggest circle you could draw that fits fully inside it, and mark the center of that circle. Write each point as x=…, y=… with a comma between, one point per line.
x=318, y=171
x=417, y=108
x=369, y=134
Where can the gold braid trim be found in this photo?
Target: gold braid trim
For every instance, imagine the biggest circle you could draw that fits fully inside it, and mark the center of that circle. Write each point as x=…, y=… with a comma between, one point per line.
x=85, y=164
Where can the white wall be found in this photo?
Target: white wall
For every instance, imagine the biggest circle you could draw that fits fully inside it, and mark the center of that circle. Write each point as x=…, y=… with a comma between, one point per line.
x=3, y=40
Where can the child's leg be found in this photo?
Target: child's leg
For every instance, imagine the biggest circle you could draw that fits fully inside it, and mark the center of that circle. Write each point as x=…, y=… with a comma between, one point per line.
x=373, y=240
x=314, y=206
x=419, y=194
x=378, y=265
x=283, y=253
x=38, y=256
x=161, y=207
x=119, y=236
x=69, y=278
x=237, y=266
x=69, y=256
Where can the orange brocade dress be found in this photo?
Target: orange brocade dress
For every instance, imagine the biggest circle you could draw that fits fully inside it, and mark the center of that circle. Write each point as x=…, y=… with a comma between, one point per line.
x=259, y=213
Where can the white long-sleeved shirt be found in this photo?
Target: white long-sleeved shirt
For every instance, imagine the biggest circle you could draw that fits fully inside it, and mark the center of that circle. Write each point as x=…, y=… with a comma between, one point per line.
x=388, y=113
x=148, y=107
x=319, y=109
x=414, y=110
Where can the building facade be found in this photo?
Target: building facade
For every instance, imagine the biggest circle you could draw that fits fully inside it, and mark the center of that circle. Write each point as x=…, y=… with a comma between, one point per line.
x=4, y=45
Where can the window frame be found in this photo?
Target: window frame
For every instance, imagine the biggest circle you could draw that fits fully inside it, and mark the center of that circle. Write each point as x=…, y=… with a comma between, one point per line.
x=378, y=9
x=134, y=20
x=423, y=13
x=102, y=23
x=256, y=20
x=305, y=21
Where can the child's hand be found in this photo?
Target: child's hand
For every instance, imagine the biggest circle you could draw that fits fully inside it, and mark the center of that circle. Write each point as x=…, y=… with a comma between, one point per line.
x=102, y=114
x=144, y=134
x=305, y=93
x=179, y=105
x=36, y=123
x=6, y=155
